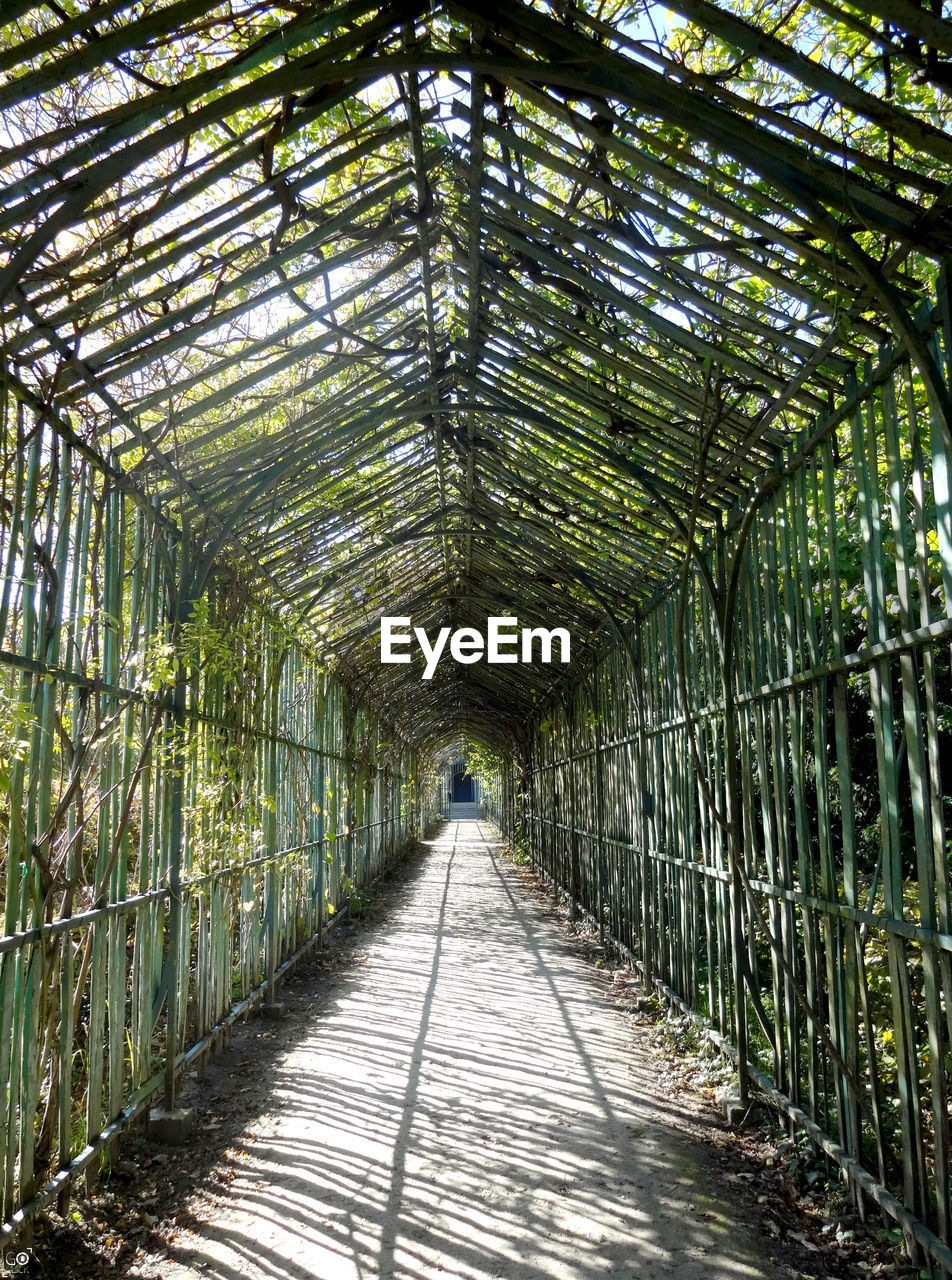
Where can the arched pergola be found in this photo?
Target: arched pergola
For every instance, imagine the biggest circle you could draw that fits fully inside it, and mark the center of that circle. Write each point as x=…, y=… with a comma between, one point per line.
x=632, y=320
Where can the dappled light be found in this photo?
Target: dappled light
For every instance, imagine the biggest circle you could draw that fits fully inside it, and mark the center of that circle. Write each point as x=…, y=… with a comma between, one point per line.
x=467, y=1107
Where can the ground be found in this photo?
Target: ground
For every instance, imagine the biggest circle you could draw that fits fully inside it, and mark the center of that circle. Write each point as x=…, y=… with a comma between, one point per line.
x=466, y=1085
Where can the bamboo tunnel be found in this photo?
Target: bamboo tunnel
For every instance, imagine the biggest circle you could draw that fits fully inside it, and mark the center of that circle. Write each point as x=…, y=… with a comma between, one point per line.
x=632, y=320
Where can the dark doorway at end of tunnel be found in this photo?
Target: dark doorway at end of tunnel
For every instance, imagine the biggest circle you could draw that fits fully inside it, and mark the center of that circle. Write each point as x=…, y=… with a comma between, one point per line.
x=461, y=791
x=464, y=789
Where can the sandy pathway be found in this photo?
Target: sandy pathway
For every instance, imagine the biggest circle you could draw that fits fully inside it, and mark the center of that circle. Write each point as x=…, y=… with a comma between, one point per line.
x=469, y=1108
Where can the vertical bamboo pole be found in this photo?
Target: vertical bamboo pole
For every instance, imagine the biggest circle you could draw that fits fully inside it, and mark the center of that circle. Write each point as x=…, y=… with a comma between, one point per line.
x=732, y=793
x=177, y=725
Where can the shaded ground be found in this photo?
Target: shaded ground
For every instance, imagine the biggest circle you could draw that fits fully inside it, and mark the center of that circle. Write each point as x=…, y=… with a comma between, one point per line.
x=450, y=1097
x=466, y=1108
x=792, y=1196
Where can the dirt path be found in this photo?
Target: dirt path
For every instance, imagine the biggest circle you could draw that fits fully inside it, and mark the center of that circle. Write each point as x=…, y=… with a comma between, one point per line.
x=468, y=1108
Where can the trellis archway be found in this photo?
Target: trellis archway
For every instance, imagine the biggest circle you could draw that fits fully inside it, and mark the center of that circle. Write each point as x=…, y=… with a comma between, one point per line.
x=629, y=319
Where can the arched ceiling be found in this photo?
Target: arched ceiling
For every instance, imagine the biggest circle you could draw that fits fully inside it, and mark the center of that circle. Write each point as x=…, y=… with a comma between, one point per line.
x=437, y=311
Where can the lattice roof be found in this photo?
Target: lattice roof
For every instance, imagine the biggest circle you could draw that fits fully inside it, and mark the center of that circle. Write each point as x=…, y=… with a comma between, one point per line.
x=421, y=310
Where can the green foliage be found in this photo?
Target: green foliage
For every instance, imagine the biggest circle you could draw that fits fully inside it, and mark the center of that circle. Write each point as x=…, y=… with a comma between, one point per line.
x=517, y=851
x=16, y=722
x=487, y=766
x=362, y=904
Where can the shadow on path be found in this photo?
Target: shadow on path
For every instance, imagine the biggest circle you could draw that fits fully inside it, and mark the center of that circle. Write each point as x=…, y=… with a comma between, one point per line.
x=468, y=1108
